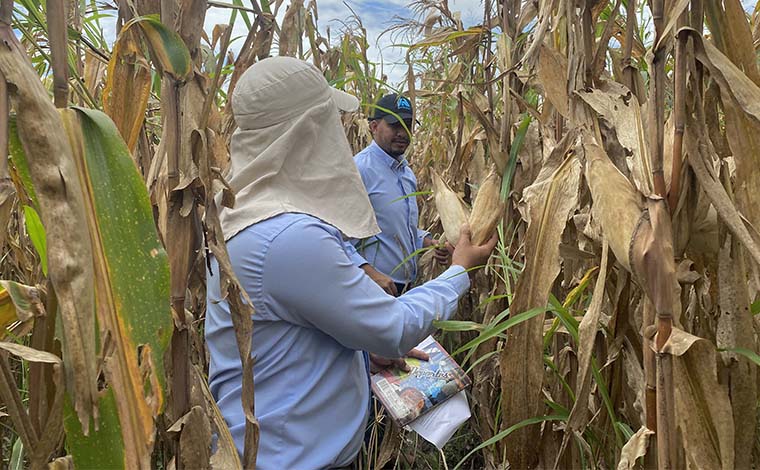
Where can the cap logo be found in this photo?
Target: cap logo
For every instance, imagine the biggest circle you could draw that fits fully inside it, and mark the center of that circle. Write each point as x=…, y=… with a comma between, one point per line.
x=403, y=103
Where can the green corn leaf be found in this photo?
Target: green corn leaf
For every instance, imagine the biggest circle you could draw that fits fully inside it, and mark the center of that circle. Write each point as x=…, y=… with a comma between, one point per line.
x=457, y=325
x=749, y=354
x=132, y=292
x=37, y=234
x=508, y=431
x=499, y=328
x=167, y=48
x=17, y=158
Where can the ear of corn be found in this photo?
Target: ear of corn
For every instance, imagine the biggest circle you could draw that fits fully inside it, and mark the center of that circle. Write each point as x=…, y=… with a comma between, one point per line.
x=487, y=209
x=451, y=208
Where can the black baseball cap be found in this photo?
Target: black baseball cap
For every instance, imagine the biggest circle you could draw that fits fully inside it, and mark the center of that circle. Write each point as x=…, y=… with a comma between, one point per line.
x=397, y=106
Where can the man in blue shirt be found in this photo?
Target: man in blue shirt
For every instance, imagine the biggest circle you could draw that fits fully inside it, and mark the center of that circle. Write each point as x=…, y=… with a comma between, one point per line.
x=298, y=196
x=391, y=186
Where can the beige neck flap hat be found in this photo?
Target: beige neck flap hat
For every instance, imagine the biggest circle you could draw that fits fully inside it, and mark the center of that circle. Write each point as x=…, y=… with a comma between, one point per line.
x=290, y=153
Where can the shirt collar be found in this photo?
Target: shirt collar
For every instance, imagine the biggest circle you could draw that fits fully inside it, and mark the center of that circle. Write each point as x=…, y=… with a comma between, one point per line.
x=387, y=159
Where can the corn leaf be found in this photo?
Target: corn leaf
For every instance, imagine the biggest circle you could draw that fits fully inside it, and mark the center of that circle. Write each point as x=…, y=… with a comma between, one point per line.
x=551, y=200
x=127, y=88
x=103, y=448
x=635, y=448
x=17, y=159
x=709, y=442
x=167, y=48
x=132, y=281
x=18, y=303
x=586, y=339
x=36, y=232
x=53, y=174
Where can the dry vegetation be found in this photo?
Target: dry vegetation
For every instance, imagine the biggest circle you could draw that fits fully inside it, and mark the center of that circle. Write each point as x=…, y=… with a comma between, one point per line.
x=614, y=327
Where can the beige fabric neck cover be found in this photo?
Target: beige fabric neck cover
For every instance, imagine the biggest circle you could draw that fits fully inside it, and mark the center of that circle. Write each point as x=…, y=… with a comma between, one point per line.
x=290, y=153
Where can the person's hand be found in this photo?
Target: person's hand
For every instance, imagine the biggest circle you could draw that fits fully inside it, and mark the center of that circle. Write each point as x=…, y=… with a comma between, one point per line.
x=441, y=254
x=378, y=363
x=466, y=254
x=385, y=282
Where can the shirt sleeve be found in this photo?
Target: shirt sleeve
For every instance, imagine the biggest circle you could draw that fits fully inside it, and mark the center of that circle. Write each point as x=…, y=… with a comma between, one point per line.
x=354, y=255
x=422, y=235
x=310, y=281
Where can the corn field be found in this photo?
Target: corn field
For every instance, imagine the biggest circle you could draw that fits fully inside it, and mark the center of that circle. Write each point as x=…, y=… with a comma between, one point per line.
x=614, y=326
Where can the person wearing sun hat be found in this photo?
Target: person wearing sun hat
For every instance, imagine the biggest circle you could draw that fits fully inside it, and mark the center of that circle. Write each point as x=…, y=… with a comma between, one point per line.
x=391, y=184
x=298, y=194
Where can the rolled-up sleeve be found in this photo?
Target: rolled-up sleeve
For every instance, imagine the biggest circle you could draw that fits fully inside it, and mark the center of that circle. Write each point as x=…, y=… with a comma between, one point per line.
x=309, y=275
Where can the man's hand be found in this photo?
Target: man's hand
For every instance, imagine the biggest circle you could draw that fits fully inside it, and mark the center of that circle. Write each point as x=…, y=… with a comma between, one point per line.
x=385, y=282
x=466, y=254
x=441, y=254
x=378, y=363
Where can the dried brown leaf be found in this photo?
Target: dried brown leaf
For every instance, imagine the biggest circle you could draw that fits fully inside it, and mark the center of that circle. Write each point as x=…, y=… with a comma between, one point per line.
x=617, y=204
x=291, y=29
x=735, y=330
x=125, y=96
x=734, y=83
x=733, y=37
x=621, y=110
x=195, y=438
x=241, y=306
x=552, y=75
x=30, y=354
x=703, y=409
x=700, y=161
x=226, y=456
x=586, y=340
x=7, y=198
x=551, y=203
x=635, y=448
x=652, y=260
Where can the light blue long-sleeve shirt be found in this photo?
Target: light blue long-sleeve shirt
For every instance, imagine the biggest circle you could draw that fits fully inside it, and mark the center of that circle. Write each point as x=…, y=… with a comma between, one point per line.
x=389, y=183
x=315, y=311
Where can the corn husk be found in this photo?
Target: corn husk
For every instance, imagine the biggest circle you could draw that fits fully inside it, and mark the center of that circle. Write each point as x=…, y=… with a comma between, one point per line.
x=451, y=208
x=487, y=210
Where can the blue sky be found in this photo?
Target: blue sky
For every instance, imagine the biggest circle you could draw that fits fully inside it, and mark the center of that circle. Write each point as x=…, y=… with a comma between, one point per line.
x=376, y=16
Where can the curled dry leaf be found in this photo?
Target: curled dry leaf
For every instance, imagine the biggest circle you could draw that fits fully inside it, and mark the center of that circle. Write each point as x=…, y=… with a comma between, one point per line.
x=125, y=96
x=195, y=437
x=226, y=456
x=635, y=448
x=618, y=206
x=18, y=303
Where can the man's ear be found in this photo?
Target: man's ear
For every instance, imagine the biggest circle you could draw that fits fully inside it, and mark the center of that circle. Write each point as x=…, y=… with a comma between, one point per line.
x=373, y=126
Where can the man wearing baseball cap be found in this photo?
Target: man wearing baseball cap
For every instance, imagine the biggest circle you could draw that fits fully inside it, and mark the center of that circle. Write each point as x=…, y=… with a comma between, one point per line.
x=391, y=184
